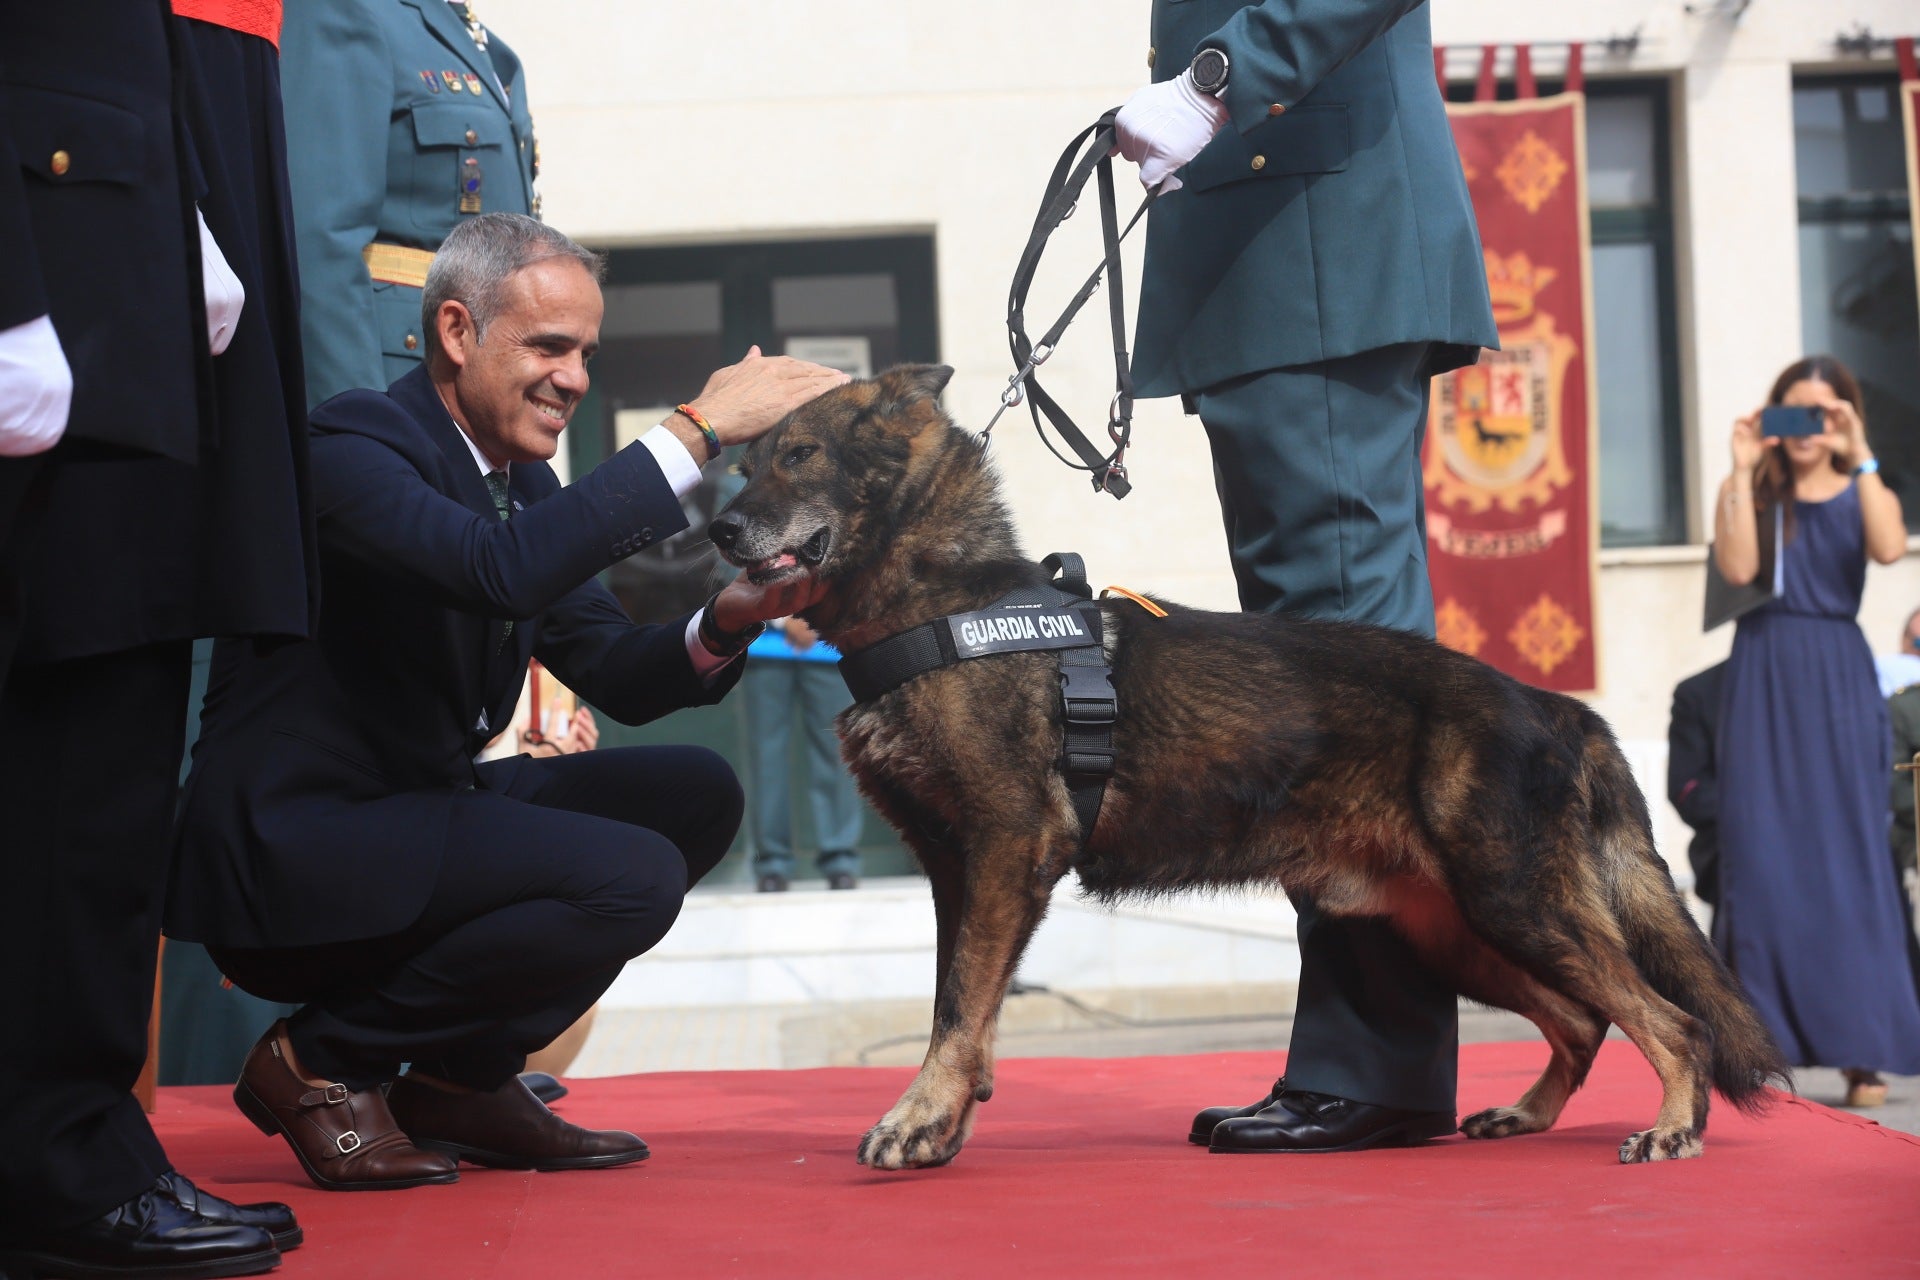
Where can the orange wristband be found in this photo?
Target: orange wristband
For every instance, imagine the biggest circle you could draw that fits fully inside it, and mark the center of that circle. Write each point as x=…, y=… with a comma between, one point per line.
x=706, y=429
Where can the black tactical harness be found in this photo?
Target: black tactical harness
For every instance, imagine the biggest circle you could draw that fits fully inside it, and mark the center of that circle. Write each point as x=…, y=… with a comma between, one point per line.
x=1058, y=615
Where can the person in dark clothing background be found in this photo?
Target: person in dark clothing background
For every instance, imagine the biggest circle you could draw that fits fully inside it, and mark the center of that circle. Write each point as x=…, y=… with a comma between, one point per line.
x=1693, y=785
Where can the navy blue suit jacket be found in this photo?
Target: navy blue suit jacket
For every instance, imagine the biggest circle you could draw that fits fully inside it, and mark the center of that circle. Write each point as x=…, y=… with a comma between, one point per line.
x=326, y=770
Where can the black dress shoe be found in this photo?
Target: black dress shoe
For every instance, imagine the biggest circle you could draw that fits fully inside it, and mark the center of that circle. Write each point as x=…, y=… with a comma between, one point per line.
x=543, y=1086
x=149, y=1235
x=270, y=1216
x=1304, y=1123
x=1203, y=1124
x=842, y=880
x=771, y=883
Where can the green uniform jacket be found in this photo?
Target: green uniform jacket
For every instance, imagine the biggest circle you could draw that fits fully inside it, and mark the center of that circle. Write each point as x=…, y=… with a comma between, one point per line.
x=378, y=144
x=1337, y=225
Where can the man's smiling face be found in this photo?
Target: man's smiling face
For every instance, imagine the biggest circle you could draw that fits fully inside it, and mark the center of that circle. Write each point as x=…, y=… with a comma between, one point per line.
x=516, y=389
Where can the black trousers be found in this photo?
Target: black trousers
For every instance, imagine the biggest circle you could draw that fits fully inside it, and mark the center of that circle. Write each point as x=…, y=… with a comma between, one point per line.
x=548, y=885
x=87, y=793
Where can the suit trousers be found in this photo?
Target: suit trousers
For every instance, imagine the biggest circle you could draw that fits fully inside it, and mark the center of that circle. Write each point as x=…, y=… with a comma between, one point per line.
x=556, y=872
x=1318, y=471
x=783, y=697
x=89, y=790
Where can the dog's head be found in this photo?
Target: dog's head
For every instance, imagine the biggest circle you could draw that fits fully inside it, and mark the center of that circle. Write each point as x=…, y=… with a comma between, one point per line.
x=833, y=469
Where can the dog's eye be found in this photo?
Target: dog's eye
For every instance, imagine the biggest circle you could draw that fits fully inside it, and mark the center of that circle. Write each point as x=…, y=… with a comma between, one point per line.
x=799, y=454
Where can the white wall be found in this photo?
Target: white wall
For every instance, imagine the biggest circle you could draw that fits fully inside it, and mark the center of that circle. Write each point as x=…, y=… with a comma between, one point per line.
x=757, y=119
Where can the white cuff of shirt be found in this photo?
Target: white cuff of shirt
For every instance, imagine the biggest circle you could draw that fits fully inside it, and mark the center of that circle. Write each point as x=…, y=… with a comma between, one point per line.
x=676, y=463
x=706, y=663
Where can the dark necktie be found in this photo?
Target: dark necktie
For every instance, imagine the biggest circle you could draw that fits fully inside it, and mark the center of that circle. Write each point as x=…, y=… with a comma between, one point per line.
x=497, y=486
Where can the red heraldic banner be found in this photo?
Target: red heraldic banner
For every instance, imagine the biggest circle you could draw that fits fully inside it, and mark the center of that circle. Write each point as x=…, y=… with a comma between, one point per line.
x=1510, y=458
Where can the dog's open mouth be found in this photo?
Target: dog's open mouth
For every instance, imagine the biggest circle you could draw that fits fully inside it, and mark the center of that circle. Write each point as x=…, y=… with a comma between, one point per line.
x=792, y=564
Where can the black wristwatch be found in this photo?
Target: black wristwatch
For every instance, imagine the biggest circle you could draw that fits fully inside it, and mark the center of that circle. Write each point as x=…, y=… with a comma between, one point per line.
x=725, y=644
x=1210, y=70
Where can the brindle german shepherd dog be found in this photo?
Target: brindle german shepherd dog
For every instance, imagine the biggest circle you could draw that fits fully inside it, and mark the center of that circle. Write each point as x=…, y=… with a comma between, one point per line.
x=1496, y=825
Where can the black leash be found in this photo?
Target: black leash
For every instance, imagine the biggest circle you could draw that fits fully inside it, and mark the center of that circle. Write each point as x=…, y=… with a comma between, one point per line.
x=1089, y=151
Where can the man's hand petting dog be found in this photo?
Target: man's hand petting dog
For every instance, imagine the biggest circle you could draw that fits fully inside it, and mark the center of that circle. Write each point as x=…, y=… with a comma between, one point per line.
x=741, y=603
x=742, y=401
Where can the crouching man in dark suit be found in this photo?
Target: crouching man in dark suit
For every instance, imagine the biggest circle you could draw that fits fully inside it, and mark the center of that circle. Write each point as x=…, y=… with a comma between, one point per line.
x=341, y=850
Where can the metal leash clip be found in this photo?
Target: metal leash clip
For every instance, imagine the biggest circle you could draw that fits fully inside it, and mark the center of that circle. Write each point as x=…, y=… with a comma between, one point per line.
x=1016, y=391
x=1113, y=477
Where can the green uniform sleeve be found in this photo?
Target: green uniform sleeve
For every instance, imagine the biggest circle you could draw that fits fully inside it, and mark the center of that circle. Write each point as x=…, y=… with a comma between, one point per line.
x=337, y=81
x=1280, y=49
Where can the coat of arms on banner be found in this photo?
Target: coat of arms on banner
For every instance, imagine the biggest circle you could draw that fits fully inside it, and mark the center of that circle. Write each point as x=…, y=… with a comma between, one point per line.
x=1497, y=425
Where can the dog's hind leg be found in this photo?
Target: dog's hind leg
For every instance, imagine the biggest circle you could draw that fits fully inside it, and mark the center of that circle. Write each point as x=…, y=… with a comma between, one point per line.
x=999, y=906
x=1433, y=925
x=1579, y=954
x=1572, y=1030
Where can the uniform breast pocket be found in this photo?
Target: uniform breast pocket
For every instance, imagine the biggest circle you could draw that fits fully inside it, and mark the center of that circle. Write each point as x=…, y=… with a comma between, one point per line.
x=461, y=153
x=66, y=140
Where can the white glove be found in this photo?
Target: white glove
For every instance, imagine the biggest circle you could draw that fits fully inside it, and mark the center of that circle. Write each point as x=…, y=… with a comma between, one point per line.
x=36, y=389
x=1165, y=125
x=224, y=293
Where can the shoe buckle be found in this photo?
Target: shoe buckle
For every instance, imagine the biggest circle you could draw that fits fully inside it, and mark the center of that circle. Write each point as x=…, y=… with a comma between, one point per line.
x=335, y=1095
x=348, y=1142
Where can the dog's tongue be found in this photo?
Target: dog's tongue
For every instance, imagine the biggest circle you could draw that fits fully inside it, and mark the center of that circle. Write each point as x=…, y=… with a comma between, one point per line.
x=781, y=561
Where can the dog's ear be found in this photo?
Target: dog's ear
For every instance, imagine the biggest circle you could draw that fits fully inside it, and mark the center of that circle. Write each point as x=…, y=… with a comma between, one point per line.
x=903, y=384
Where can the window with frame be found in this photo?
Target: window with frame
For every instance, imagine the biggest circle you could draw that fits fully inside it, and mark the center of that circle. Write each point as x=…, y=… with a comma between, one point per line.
x=1857, y=299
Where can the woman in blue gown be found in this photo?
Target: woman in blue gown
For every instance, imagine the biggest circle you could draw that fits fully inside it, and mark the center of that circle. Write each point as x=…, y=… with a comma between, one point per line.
x=1809, y=917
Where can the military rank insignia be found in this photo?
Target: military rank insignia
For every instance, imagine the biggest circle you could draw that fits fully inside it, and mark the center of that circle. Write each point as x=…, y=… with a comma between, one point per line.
x=453, y=81
x=470, y=186
x=432, y=81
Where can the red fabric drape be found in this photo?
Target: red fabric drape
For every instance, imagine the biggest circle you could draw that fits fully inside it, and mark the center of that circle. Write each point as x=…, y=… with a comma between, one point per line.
x=1523, y=84
x=1486, y=88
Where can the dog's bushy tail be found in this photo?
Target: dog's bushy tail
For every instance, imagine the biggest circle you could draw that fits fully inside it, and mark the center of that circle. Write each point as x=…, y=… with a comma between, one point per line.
x=1664, y=941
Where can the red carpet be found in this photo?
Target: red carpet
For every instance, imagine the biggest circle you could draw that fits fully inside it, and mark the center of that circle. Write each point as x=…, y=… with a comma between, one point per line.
x=1079, y=1167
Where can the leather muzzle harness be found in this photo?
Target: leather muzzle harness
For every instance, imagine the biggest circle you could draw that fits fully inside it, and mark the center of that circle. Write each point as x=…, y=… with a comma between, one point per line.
x=1090, y=150
x=1058, y=615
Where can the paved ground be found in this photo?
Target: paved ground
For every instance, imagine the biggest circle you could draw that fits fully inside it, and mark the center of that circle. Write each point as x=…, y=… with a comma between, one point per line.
x=1035, y=1024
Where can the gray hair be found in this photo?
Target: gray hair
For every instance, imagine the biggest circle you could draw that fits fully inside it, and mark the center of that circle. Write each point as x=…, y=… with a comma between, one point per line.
x=480, y=255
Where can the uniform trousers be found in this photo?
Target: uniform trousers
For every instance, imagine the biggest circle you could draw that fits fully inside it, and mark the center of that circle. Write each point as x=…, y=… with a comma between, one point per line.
x=1318, y=471
x=556, y=872
x=783, y=696
x=88, y=790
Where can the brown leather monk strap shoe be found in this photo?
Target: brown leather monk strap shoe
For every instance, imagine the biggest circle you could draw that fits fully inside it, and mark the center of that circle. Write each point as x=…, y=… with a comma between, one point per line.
x=503, y=1128
x=345, y=1140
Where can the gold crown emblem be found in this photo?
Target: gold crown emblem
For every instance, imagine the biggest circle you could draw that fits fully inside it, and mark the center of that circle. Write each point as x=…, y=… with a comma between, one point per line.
x=1513, y=283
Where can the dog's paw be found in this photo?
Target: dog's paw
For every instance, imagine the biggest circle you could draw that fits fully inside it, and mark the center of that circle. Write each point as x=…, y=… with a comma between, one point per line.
x=888, y=1146
x=1657, y=1144
x=1500, y=1122
x=916, y=1135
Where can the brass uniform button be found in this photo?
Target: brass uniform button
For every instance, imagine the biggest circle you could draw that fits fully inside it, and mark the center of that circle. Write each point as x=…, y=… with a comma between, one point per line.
x=1150, y=53
x=1276, y=110
x=472, y=137
x=413, y=343
x=60, y=163
x=1259, y=163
